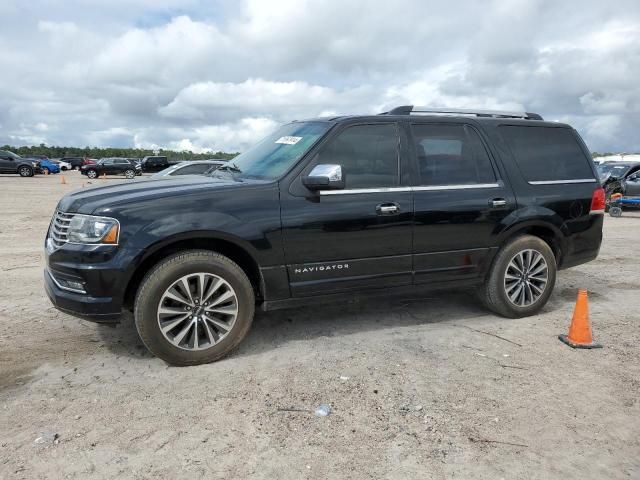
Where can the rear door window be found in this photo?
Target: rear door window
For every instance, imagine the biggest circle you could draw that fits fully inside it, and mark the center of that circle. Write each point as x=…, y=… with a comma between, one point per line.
x=546, y=154
x=450, y=154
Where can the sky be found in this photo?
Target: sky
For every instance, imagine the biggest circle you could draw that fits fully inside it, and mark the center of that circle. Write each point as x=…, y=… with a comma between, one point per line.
x=218, y=75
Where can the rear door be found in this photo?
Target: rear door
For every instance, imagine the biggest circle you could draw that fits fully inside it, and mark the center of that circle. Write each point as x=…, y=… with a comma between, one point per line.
x=460, y=201
x=357, y=238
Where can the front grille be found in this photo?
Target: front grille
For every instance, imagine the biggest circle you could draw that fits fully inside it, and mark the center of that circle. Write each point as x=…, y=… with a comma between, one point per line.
x=58, y=233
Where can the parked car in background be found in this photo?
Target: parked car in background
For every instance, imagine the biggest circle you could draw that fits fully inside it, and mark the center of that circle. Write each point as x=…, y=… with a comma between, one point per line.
x=64, y=166
x=493, y=203
x=13, y=163
x=75, y=162
x=154, y=164
x=111, y=166
x=47, y=166
x=613, y=176
x=182, y=169
x=631, y=185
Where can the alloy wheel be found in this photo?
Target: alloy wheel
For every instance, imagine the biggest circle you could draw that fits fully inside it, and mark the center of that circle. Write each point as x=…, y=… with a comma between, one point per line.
x=197, y=311
x=526, y=278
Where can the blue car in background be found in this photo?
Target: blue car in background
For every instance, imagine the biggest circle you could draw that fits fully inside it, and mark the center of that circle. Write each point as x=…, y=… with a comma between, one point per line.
x=47, y=165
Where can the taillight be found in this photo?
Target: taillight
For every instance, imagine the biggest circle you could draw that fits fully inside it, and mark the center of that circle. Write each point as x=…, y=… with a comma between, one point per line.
x=598, y=201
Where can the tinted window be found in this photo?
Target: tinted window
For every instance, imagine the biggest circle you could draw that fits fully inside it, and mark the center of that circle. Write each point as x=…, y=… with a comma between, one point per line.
x=547, y=153
x=278, y=152
x=108, y=162
x=196, y=169
x=368, y=155
x=451, y=155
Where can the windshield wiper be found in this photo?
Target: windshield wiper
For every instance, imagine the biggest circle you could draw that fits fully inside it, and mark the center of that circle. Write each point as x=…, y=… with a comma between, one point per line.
x=230, y=167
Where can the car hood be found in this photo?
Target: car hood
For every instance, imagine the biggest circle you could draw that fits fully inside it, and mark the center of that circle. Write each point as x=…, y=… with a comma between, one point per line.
x=104, y=200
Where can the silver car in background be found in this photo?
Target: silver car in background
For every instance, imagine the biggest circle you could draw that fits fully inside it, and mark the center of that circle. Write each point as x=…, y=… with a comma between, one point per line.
x=182, y=169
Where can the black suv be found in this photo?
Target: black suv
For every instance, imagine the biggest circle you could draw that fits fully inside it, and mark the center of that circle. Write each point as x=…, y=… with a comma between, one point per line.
x=112, y=166
x=154, y=164
x=321, y=209
x=13, y=163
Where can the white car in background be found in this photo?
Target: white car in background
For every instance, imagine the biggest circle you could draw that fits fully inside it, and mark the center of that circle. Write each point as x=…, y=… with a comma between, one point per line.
x=63, y=165
x=188, y=168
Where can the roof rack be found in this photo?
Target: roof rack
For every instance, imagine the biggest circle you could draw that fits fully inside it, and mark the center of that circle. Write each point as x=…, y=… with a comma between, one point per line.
x=409, y=109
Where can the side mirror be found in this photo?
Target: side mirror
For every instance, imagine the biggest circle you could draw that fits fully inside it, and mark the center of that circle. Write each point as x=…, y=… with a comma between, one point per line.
x=324, y=177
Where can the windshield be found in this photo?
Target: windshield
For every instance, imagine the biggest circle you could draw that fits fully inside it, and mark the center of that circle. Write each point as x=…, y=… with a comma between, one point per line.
x=276, y=153
x=617, y=171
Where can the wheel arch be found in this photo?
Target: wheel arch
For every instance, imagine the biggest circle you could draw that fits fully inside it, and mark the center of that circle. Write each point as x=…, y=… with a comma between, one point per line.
x=225, y=246
x=546, y=231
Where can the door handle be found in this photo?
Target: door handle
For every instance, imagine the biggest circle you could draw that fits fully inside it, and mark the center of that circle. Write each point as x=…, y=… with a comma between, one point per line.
x=498, y=202
x=387, y=209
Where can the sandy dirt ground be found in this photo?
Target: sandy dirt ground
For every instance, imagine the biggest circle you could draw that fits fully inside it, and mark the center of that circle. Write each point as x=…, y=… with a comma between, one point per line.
x=418, y=387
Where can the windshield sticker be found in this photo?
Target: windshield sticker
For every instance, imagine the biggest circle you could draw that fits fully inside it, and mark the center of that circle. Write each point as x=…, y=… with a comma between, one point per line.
x=289, y=140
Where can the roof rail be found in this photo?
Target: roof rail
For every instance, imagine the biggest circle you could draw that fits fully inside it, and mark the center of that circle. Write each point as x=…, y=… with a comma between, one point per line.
x=409, y=109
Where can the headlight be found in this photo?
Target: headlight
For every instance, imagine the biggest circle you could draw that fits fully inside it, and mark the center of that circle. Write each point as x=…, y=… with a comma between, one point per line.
x=90, y=229
x=35, y=164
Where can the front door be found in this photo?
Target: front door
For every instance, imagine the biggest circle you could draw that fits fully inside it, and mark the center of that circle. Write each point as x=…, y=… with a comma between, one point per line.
x=358, y=237
x=460, y=202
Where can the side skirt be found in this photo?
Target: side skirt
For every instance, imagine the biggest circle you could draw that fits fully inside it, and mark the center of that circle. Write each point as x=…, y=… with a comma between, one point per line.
x=297, y=302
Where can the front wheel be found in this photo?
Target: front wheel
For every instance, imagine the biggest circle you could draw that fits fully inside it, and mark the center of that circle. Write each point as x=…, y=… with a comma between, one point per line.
x=129, y=174
x=194, y=307
x=92, y=174
x=521, y=278
x=25, y=171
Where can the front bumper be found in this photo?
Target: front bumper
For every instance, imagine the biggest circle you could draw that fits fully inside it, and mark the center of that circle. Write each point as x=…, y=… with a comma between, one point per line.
x=103, y=273
x=96, y=309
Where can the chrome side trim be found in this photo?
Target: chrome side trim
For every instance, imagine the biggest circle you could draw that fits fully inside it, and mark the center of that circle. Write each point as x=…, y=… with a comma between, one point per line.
x=352, y=191
x=433, y=188
x=455, y=187
x=561, y=182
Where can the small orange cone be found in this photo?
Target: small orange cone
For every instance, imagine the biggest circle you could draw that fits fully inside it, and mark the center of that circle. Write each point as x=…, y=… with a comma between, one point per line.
x=104, y=175
x=580, y=329
x=63, y=181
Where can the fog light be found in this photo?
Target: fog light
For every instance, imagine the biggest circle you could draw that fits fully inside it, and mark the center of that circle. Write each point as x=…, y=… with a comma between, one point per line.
x=76, y=286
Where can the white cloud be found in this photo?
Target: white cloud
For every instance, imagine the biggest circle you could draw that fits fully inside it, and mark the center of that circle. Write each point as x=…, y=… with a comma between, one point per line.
x=196, y=75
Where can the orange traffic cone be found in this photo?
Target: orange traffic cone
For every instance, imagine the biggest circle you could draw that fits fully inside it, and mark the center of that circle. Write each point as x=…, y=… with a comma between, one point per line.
x=63, y=181
x=580, y=329
x=104, y=175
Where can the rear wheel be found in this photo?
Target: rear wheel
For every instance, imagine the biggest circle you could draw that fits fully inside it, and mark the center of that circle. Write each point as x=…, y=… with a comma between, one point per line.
x=194, y=307
x=521, y=278
x=25, y=171
x=130, y=173
x=92, y=174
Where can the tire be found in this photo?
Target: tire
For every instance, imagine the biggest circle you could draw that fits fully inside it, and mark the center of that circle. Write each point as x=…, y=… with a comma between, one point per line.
x=64, y=169
x=130, y=174
x=25, y=171
x=92, y=174
x=161, y=281
x=501, y=284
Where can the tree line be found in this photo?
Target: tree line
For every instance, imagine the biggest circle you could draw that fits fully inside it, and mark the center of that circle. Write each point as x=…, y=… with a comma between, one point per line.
x=95, y=152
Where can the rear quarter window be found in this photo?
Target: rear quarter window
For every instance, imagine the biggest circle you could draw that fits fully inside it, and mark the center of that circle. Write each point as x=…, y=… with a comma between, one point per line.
x=547, y=153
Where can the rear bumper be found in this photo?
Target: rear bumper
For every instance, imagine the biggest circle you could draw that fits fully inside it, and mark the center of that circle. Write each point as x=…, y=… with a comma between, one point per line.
x=585, y=241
